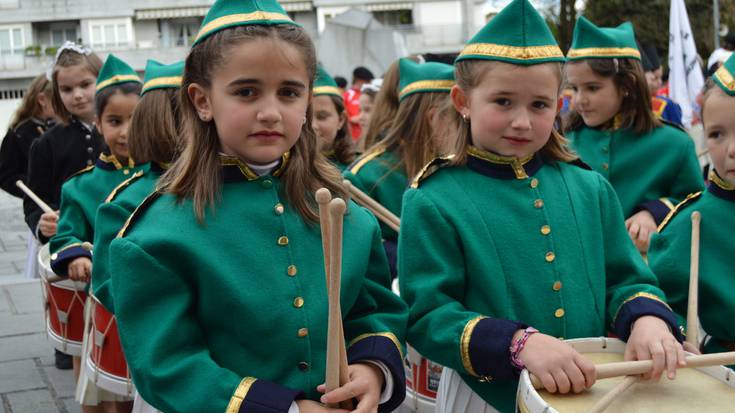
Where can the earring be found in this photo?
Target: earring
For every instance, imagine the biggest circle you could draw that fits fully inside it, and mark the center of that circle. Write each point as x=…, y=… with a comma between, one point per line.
x=203, y=117
x=304, y=123
x=465, y=117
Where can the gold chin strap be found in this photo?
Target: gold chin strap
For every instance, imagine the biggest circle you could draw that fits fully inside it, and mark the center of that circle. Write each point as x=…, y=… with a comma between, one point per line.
x=516, y=163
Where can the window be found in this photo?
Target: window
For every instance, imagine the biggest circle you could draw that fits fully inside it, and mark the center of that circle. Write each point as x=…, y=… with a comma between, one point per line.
x=110, y=34
x=394, y=18
x=59, y=36
x=11, y=40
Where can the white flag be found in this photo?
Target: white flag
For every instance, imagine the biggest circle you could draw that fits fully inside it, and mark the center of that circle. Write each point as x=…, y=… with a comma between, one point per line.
x=685, y=75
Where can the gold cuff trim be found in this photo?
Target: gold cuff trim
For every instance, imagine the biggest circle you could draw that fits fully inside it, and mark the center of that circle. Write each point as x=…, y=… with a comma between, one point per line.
x=725, y=79
x=387, y=335
x=67, y=247
x=516, y=163
x=124, y=184
x=426, y=86
x=117, y=79
x=605, y=52
x=240, y=393
x=513, y=52
x=676, y=209
x=639, y=295
x=367, y=157
x=464, y=344
x=718, y=181
x=172, y=82
x=668, y=203
x=240, y=18
x=327, y=90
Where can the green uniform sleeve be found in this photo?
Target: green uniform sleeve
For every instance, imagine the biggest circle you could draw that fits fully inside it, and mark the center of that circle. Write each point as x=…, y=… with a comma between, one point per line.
x=72, y=230
x=670, y=264
x=110, y=218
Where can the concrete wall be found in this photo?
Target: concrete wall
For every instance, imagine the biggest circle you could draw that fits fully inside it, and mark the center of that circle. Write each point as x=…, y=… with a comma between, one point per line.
x=7, y=109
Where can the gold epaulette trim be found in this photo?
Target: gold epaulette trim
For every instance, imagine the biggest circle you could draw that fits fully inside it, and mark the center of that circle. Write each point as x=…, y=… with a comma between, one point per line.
x=367, y=157
x=81, y=171
x=429, y=169
x=689, y=199
x=138, y=210
x=392, y=337
x=241, y=392
x=123, y=185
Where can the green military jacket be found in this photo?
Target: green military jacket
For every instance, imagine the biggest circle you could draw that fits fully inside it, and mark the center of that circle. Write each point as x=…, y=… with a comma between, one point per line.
x=81, y=194
x=331, y=157
x=230, y=314
x=111, y=217
x=670, y=256
x=498, y=244
x=654, y=171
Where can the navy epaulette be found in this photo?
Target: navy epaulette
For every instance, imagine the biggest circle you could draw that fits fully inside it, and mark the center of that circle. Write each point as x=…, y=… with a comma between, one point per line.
x=429, y=169
x=679, y=207
x=376, y=151
x=670, y=123
x=80, y=172
x=139, y=212
x=122, y=186
x=580, y=163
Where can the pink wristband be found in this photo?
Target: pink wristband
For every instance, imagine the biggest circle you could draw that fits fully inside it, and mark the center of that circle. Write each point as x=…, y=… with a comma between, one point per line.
x=517, y=346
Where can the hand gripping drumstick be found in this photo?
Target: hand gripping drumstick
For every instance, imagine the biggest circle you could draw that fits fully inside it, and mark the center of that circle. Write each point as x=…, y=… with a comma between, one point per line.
x=692, y=306
x=44, y=206
x=633, y=368
x=380, y=212
x=613, y=394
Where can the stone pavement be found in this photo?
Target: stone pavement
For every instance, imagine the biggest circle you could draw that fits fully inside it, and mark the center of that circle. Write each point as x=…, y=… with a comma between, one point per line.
x=29, y=382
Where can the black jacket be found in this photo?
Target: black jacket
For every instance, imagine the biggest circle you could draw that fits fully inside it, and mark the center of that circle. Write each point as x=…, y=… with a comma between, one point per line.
x=54, y=157
x=14, y=154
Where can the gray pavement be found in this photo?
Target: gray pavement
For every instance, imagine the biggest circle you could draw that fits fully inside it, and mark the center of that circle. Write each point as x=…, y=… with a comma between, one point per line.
x=29, y=382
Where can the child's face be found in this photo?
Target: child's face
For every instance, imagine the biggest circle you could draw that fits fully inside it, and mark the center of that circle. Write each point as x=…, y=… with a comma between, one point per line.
x=77, y=87
x=512, y=109
x=115, y=121
x=325, y=120
x=257, y=99
x=596, y=98
x=719, y=129
x=366, y=109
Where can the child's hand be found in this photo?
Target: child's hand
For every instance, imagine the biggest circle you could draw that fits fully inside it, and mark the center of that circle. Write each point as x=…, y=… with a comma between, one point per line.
x=651, y=339
x=366, y=382
x=80, y=269
x=47, y=224
x=641, y=226
x=559, y=367
x=308, y=406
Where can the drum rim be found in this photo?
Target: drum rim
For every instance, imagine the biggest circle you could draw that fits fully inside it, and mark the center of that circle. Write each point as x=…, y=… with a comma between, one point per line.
x=110, y=382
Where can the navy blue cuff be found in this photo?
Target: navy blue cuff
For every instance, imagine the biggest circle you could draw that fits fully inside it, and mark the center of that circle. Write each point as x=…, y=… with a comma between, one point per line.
x=642, y=306
x=267, y=397
x=383, y=349
x=391, y=250
x=489, y=348
x=657, y=208
x=60, y=260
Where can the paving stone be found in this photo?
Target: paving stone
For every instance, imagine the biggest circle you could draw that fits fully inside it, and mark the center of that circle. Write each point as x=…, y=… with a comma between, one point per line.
x=19, y=375
x=72, y=406
x=25, y=347
x=26, y=297
x=37, y=401
x=62, y=381
x=15, y=324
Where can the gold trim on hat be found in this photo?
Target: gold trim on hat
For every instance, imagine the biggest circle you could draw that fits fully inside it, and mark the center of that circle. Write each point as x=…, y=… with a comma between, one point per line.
x=725, y=78
x=172, y=81
x=327, y=90
x=604, y=52
x=117, y=79
x=426, y=85
x=239, y=18
x=512, y=52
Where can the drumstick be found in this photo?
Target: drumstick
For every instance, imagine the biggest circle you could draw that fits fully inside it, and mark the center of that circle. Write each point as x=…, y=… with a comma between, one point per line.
x=632, y=368
x=692, y=306
x=703, y=152
x=44, y=206
x=380, y=212
x=337, y=373
x=613, y=394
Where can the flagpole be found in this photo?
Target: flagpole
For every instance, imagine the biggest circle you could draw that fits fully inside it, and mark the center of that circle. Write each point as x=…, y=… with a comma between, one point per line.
x=716, y=21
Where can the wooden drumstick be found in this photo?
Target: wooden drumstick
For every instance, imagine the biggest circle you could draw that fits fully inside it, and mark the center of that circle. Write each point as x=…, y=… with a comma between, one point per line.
x=633, y=368
x=703, y=152
x=692, y=306
x=337, y=373
x=44, y=206
x=613, y=394
x=380, y=212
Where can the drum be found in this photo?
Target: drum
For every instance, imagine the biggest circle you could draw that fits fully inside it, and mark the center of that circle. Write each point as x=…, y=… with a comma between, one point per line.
x=106, y=366
x=422, y=379
x=706, y=389
x=65, y=307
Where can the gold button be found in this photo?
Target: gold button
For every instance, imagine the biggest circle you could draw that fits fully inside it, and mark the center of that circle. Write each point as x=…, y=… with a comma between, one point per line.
x=538, y=203
x=278, y=209
x=266, y=183
x=557, y=286
x=534, y=183
x=605, y=166
x=54, y=256
x=298, y=302
x=303, y=332
x=550, y=256
x=125, y=171
x=546, y=230
x=292, y=270
x=283, y=241
x=559, y=313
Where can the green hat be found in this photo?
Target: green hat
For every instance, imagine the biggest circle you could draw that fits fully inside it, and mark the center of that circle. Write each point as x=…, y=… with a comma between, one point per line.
x=325, y=84
x=518, y=35
x=592, y=42
x=231, y=13
x=424, y=77
x=724, y=76
x=115, y=72
x=160, y=76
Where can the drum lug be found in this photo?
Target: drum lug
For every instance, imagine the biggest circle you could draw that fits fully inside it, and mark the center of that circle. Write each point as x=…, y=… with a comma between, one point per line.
x=63, y=317
x=99, y=339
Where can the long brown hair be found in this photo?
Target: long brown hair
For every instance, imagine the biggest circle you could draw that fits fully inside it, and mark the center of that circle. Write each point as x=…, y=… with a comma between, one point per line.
x=635, y=111
x=196, y=173
x=153, y=136
x=385, y=107
x=29, y=105
x=468, y=74
x=69, y=58
x=343, y=147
